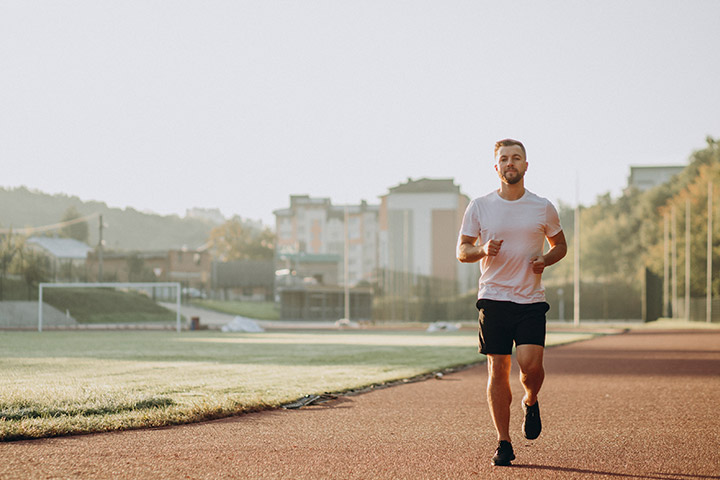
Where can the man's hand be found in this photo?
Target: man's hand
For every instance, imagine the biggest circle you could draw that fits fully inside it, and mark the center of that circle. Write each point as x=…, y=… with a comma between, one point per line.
x=538, y=264
x=492, y=247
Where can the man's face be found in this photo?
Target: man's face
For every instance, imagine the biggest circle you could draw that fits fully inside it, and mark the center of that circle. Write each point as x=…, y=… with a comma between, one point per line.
x=510, y=164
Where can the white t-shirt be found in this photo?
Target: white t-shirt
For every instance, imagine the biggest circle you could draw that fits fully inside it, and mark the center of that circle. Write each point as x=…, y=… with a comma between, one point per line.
x=523, y=225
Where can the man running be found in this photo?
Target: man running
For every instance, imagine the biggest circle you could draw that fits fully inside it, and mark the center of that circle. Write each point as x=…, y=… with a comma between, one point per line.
x=505, y=231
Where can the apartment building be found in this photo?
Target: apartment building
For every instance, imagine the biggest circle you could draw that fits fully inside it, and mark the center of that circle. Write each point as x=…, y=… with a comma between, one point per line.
x=314, y=226
x=419, y=224
x=412, y=234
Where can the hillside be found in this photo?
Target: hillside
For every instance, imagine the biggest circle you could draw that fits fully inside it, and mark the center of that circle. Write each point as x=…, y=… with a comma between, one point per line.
x=85, y=305
x=127, y=229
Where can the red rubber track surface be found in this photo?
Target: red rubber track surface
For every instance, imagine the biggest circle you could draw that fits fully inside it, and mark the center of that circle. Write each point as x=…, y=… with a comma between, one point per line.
x=640, y=405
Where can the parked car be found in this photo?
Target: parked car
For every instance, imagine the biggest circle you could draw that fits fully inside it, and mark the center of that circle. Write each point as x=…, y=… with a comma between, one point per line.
x=189, y=292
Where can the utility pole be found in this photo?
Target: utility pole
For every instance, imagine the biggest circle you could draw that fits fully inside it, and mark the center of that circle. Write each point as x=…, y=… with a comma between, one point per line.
x=687, y=259
x=576, y=260
x=666, y=265
x=576, y=265
x=673, y=222
x=346, y=266
x=708, y=287
x=100, y=251
x=406, y=269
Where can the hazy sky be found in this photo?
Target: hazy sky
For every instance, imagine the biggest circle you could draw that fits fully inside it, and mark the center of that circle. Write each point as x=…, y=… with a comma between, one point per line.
x=166, y=105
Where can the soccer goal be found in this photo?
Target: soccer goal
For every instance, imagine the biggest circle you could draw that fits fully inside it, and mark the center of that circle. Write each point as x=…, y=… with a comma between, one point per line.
x=135, y=286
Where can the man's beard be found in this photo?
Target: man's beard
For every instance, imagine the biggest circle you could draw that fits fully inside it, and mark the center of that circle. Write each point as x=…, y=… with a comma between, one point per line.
x=512, y=181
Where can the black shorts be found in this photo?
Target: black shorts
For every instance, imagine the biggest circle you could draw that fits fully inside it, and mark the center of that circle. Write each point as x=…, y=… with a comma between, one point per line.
x=502, y=323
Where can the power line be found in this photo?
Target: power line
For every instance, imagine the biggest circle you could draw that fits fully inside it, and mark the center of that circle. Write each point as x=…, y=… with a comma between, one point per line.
x=45, y=228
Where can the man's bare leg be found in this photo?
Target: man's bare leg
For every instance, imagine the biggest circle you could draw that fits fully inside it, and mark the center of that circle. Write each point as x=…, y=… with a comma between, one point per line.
x=532, y=372
x=499, y=394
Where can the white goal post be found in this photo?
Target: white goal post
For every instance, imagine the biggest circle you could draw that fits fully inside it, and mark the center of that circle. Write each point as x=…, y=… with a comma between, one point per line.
x=140, y=285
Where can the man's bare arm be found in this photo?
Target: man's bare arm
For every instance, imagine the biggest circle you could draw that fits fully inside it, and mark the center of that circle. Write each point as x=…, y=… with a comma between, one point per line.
x=558, y=249
x=469, y=252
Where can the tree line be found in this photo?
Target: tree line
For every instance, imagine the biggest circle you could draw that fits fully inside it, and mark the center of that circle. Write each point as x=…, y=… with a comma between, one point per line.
x=622, y=237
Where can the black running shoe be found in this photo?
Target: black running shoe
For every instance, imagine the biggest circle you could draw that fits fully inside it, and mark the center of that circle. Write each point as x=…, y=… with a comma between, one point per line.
x=532, y=426
x=504, y=454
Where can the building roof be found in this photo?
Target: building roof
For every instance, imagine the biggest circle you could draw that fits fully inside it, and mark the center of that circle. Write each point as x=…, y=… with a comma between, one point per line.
x=283, y=212
x=338, y=211
x=62, y=248
x=308, y=200
x=427, y=185
x=334, y=211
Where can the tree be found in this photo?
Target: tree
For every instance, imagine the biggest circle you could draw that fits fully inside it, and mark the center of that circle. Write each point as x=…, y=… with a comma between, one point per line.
x=137, y=270
x=35, y=269
x=79, y=229
x=622, y=237
x=691, y=186
x=238, y=240
x=9, y=247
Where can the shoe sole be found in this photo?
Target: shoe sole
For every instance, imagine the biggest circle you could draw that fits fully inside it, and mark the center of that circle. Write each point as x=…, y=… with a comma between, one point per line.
x=502, y=464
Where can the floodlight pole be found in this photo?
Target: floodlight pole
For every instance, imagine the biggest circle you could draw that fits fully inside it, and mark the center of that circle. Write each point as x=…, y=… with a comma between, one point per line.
x=406, y=263
x=687, y=259
x=346, y=264
x=177, y=310
x=576, y=268
x=40, y=307
x=673, y=250
x=576, y=259
x=666, y=265
x=100, y=251
x=708, y=305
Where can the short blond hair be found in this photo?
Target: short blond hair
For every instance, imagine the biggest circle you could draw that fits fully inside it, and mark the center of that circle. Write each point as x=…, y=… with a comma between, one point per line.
x=509, y=142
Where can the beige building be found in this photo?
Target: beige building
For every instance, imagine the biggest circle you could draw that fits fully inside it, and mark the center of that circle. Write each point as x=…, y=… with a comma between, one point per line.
x=314, y=226
x=419, y=224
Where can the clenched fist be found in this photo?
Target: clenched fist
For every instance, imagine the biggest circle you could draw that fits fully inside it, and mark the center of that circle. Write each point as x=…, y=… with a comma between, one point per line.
x=538, y=264
x=492, y=247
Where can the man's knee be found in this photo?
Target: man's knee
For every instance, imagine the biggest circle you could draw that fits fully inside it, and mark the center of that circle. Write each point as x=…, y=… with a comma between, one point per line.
x=532, y=369
x=499, y=366
x=530, y=359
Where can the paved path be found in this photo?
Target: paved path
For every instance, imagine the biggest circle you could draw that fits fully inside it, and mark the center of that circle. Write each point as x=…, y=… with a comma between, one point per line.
x=216, y=320
x=640, y=405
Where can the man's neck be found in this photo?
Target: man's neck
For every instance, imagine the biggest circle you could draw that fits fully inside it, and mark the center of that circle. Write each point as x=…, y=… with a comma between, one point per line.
x=511, y=192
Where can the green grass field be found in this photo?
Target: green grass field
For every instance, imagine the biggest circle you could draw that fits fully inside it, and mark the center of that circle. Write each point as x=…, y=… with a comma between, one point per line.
x=59, y=383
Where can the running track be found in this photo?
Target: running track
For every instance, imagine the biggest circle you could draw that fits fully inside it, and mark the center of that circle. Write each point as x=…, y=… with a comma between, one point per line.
x=640, y=405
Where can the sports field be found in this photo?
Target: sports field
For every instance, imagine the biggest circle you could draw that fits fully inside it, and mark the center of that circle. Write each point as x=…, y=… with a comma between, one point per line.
x=65, y=382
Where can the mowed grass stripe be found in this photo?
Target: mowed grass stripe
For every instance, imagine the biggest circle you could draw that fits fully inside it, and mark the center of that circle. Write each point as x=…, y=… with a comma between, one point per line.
x=60, y=383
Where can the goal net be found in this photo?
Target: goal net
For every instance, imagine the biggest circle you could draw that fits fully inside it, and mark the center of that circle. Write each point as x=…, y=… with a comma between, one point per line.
x=118, y=302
